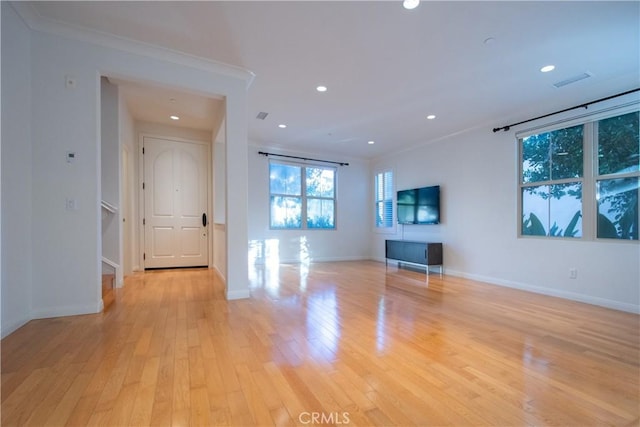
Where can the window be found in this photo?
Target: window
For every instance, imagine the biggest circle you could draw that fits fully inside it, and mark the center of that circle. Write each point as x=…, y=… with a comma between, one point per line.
x=384, y=200
x=551, y=185
x=302, y=197
x=618, y=177
x=556, y=171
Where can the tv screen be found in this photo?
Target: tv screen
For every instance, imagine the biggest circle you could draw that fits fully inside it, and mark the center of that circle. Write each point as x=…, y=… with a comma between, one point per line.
x=419, y=205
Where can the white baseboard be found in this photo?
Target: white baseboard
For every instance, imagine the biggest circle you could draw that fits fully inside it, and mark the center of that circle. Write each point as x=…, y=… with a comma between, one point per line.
x=238, y=294
x=69, y=310
x=219, y=273
x=588, y=299
x=241, y=294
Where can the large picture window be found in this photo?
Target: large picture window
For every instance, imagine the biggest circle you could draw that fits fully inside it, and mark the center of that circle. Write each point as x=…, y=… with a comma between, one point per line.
x=302, y=197
x=557, y=169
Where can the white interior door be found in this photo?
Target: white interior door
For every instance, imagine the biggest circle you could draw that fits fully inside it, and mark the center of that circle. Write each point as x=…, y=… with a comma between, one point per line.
x=175, y=200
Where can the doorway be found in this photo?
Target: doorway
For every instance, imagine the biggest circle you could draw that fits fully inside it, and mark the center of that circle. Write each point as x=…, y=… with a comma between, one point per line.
x=175, y=217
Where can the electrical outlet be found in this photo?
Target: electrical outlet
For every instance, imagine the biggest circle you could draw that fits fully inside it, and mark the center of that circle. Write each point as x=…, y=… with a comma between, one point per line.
x=573, y=273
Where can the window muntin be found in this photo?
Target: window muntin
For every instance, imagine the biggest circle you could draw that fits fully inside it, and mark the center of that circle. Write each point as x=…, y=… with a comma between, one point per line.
x=384, y=200
x=297, y=203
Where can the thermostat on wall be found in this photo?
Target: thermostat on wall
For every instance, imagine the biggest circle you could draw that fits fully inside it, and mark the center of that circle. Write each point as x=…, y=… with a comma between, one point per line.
x=71, y=156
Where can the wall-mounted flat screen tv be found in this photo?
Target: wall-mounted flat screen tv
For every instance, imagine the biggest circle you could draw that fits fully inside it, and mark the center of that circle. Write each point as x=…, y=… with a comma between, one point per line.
x=419, y=205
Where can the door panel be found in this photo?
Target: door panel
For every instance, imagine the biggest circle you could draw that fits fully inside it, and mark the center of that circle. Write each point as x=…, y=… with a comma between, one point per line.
x=162, y=242
x=161, y=181
x=175, y=197
x=191, y=188
x=190, y=247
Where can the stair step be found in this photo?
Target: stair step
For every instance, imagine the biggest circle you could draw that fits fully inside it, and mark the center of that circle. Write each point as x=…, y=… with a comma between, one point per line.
x=108, y=293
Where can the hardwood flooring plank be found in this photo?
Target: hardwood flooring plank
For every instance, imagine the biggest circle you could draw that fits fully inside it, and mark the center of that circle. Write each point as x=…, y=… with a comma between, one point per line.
x=253, y=396
x=51, y=394
x=200, y=408
x=66, y=404
x=17, y=408
x=141, y=412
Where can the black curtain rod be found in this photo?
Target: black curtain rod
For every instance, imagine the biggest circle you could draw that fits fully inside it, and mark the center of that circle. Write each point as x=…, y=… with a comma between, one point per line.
x=303, y=158
x=585, y=105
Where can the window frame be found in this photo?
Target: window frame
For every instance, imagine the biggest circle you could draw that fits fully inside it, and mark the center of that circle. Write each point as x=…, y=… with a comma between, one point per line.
x=303, y=195
x=551, y=182
x=391, y=228
x=590, y=176
x=597, y=176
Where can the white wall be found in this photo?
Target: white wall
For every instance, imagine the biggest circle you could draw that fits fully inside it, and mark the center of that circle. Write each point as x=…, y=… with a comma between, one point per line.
x=219, y=248
x=65, y=250
x=129, y=181
x=477, y=171
x=110, y=175
x=350, y=240
x=219, y=181
x=236, y=204
x=158, y=129
x=219, y=207
x=16, y=169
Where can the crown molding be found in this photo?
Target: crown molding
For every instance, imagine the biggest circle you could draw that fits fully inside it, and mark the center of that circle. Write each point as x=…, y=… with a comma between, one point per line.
x=39, y=23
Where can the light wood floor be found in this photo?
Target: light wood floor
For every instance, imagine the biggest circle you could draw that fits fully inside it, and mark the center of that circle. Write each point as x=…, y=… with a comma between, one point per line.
x=332, y=343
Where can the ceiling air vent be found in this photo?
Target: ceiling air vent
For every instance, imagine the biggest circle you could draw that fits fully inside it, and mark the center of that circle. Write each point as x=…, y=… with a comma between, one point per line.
x=262, y=115
x=573, y=79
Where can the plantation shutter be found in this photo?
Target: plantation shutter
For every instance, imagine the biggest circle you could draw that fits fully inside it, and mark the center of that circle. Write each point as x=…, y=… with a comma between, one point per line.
x=384, y=199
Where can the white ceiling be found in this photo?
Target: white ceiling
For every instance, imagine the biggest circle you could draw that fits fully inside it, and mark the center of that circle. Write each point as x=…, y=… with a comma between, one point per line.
x=386, y=68
x=157, y=104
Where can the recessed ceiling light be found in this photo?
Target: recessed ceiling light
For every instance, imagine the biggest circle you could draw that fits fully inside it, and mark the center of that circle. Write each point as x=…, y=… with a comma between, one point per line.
x=410, y=4
x=321, y=88
x=547, y=68
x=431, y=116
x=174, y=117
x=371, y=142
x=282, y=126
